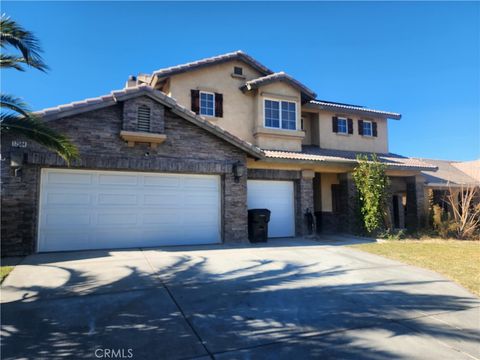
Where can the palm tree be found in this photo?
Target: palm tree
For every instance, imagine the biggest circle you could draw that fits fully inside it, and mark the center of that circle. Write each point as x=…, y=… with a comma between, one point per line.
x=16, y=118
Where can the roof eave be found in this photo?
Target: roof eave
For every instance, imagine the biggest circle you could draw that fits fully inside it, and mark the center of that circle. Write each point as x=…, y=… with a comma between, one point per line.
x=346, y=162
x=355, y=111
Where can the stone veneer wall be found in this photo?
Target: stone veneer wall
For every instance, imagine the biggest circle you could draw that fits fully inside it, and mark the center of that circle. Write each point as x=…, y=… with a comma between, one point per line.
x=187, y=149
x=157, y=114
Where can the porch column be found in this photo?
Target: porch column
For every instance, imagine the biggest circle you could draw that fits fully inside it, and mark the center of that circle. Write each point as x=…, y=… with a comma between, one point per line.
x=305, y=200
x=348, y=216
x=416, y=202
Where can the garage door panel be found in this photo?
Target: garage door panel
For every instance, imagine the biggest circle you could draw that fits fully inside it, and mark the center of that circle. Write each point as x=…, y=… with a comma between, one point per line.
x=64, y=198
x=84, y=209
x=278, y=197
x=198, y=182
x=118, y=180
x=117, y=199
x=162, y=182
x=67, y=220
x=116, y=219
x=110, y=237
x=53, y=240
x=69, y=178
x=162, y=200
x=161, y=219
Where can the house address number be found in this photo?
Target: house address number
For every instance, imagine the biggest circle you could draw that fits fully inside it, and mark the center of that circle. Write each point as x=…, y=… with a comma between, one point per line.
x=19, y=144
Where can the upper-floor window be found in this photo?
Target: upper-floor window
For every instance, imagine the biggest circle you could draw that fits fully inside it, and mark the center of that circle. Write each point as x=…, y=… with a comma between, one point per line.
x=143, y=118
x=342, y=126
x=280, y=114
x=367, y=128
x=207, y=103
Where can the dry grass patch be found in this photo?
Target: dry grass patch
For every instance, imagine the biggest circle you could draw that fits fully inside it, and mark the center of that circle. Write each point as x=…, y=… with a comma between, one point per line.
x=456, y=259
x=4, y=271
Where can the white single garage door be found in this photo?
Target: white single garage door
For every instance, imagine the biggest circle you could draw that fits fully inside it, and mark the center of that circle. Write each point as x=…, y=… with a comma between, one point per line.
x=277, y=196
x=83, y=209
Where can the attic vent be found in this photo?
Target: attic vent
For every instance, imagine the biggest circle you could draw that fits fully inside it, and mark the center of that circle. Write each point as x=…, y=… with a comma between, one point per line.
x=143, y=118
x=237, y=70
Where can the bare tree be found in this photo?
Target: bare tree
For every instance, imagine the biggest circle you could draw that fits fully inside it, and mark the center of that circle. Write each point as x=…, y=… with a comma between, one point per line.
x=465, y=209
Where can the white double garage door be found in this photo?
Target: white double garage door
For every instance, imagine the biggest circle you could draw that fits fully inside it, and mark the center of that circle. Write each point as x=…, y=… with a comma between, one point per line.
x=83, y=209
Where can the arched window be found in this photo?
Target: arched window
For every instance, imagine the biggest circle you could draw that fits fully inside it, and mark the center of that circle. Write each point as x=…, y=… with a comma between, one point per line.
x=143, y=118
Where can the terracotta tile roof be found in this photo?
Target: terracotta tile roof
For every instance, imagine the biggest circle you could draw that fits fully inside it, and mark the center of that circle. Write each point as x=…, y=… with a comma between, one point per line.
x=278, y=76
x=315, y=154
x=471, y=168
x=326, y=105
x=78, y=107
x=449, y=173
x=236, y=55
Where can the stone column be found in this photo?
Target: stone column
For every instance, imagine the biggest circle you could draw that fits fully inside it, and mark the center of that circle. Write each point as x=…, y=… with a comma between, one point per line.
x=305, y=200
x=416, y=202
x=235, y=219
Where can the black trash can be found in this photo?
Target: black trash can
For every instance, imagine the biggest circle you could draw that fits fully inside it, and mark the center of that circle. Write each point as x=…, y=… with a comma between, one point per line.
x=258, y=225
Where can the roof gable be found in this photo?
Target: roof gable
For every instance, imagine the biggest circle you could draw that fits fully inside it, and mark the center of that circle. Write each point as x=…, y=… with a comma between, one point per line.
x=195, y=65
x=279, y=77
x=144, y=90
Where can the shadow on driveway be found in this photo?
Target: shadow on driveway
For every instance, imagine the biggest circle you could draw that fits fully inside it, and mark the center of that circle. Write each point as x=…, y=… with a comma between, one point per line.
x=312, y=302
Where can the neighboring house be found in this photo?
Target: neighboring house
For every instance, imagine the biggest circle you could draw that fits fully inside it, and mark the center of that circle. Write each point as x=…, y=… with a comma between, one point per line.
x=179, y=155
x=451, y=176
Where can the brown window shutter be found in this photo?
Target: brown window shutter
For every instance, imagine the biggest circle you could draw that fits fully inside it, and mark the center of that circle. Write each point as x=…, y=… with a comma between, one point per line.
x=335, y=124
x=360, y=127
x=374, y=128
x=195, y=94
x=218, y=105
x=350, y=126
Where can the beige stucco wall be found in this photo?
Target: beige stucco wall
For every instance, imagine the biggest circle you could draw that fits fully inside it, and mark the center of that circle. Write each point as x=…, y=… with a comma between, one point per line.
x=326, y=182
x=355, y=142
x=278, y=139
x=238, y=108
x=243, y=113
x=307, y=127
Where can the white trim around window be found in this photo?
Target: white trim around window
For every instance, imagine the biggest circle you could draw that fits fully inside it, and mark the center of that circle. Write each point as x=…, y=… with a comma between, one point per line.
x=279, y=112
x=209, y=99
x=367, y=125
x=342, y=125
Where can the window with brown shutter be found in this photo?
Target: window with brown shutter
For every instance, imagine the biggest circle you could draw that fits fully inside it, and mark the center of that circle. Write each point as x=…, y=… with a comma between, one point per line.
x=195, y=94
x=350, y=126
x=218, y=105
x=335, y=124
x=360, y=127
x=374, y=128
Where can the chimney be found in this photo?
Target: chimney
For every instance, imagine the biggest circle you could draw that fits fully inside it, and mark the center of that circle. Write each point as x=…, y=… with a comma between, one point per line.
x=131, y=82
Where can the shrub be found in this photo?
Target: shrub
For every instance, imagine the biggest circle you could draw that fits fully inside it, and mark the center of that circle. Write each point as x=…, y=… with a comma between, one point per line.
x=465, y=205
x=372, y=184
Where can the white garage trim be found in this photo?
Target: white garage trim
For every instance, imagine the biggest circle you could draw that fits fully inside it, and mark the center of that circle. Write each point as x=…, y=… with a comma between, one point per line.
x=278, y=197
x=92, y=209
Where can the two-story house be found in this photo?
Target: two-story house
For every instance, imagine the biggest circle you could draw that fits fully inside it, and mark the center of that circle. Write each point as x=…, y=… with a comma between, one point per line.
x=179, y=155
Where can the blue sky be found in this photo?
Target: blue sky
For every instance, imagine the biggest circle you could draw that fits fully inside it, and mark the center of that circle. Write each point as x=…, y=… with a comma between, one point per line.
x=417, y=58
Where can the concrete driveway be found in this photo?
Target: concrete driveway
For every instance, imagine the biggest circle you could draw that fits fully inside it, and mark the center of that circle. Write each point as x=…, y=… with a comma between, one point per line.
x=288, y=299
